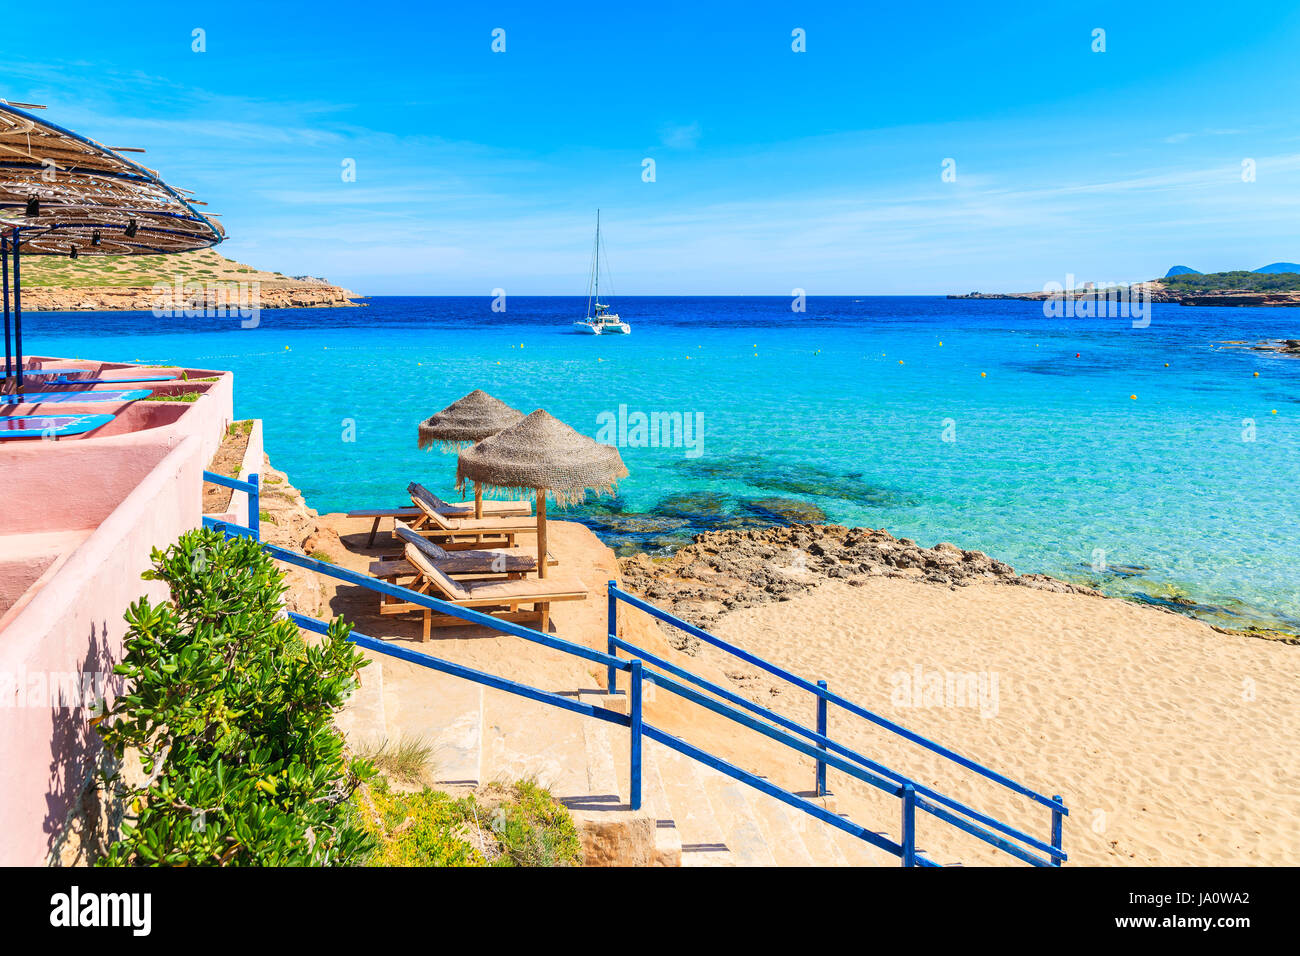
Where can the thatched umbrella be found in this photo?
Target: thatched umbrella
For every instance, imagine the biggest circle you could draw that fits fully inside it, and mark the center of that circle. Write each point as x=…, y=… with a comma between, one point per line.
x=465, y=421
x=543, y=455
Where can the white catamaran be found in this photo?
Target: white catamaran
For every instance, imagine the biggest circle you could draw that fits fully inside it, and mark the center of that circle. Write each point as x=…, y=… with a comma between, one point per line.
x=599, y=320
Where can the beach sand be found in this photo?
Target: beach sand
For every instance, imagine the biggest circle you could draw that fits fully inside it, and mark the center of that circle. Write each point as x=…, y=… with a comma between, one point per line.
x=1172, y=744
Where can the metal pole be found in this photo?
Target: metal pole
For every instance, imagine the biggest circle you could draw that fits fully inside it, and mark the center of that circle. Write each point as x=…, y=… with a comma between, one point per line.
x=821, y=729
x=909, y=825
x=611, y=672
x=4, y=261
x=255, y=507
x=18, y=309
x=541, y=532
x=635, y=694
x=1057, y=819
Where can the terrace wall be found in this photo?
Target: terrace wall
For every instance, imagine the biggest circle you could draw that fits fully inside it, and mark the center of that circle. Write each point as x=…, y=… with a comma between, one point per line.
x=78, y=521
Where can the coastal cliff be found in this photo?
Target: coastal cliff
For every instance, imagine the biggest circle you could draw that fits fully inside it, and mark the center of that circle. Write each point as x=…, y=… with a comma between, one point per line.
x=1213, y=289
x=202, y=280
x=136, y=299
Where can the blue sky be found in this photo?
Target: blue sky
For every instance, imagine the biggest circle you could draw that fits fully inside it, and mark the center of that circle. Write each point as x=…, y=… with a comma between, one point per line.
x=774, y=170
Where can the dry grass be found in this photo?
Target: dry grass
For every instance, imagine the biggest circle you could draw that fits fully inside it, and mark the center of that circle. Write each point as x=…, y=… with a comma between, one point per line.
x=203, y=266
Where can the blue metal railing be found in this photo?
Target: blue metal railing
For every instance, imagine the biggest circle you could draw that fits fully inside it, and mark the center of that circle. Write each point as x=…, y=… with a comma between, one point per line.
x=251, y=486
x=915, y=795
x=825, y=751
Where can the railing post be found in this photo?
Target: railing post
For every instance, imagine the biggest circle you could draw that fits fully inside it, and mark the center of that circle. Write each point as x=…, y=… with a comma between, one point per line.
x=821, y=729
x=634, y=693
x=611, y=672
x=909, y=825
x=1057, y=820
x=255, y=507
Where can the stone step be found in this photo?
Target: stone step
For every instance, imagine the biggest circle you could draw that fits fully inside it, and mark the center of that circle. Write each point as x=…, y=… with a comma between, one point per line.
x=819, y=837
x=859, y=852
x=668, y=839
x=783, y=829
x=572, y=756
x=529, y=740
x=443, y=711
x=362, y=719
x=739, y=819
x=602, y=777
x=703, y=838
x=654, y=799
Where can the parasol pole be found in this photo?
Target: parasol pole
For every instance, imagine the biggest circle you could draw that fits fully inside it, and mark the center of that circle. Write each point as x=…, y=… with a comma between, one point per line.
x=4, y=266
x=478, y=499
x=18, y=309
x=540, y=494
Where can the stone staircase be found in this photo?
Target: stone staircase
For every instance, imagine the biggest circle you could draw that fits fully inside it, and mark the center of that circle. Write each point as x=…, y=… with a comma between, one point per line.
x=691, y=815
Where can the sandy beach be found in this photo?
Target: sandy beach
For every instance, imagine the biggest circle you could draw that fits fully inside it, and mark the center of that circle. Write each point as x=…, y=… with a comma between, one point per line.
x=1172, y=744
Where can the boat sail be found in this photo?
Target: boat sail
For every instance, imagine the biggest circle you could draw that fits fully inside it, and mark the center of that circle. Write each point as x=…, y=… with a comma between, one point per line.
x=599, y=320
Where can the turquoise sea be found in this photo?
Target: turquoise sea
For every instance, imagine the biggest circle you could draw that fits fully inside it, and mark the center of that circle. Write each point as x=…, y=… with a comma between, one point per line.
x=979, y=422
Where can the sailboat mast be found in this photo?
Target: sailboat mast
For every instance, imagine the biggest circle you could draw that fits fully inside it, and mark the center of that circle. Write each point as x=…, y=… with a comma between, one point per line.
x=598, y=257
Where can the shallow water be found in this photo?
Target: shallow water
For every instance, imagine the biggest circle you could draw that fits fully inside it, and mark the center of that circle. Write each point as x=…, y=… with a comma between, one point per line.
x=840, y=412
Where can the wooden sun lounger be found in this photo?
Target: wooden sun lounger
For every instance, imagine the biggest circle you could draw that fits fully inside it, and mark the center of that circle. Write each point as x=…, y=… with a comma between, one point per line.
x=518, y=561
x=478, y=531
x=511, y=562
x=501, y=599
x=491, y=508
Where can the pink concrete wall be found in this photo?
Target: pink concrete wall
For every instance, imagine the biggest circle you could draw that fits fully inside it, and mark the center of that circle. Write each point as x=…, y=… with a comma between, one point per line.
x=74, y=624
x=86, y=513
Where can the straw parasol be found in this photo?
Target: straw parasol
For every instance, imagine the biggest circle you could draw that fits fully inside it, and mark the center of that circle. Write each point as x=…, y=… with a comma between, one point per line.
x=62, y=194
x=543, y=455
x=465, y=421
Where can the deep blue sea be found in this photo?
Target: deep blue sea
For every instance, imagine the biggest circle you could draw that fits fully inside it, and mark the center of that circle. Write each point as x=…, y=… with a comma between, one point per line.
x=979, y=422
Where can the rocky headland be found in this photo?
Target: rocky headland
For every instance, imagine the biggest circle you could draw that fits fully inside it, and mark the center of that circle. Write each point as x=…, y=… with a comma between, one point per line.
x=203, y=282
x=207, y=298
x=725, y=570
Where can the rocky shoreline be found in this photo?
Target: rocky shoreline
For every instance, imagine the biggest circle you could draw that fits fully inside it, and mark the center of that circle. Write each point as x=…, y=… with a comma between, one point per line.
x=722, y=571
x=147, y=299
x=1155, y=292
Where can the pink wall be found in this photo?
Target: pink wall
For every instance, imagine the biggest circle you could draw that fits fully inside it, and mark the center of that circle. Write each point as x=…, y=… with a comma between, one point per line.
x=85, y=513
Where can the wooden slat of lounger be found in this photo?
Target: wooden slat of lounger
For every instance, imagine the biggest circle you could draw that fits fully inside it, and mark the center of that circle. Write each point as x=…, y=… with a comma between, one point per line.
x=399, y=567
x=545, y=598
x=511, y=553
x=498, y=508
x=490, y=509
x=514, y=617
x=492, y=524
x=450, y=542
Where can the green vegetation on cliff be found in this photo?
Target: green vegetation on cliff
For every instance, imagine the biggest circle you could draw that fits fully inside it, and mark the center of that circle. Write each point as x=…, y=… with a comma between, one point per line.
x=1233, y=282
x=90, y=272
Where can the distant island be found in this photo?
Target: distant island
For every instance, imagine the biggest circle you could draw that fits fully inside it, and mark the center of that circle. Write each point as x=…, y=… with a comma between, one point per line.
x=133, y=283
x=1277, y=284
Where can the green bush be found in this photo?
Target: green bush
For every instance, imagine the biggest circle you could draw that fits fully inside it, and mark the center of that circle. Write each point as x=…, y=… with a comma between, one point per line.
x=519, y=825
x=535, y=830
x=231, y=713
